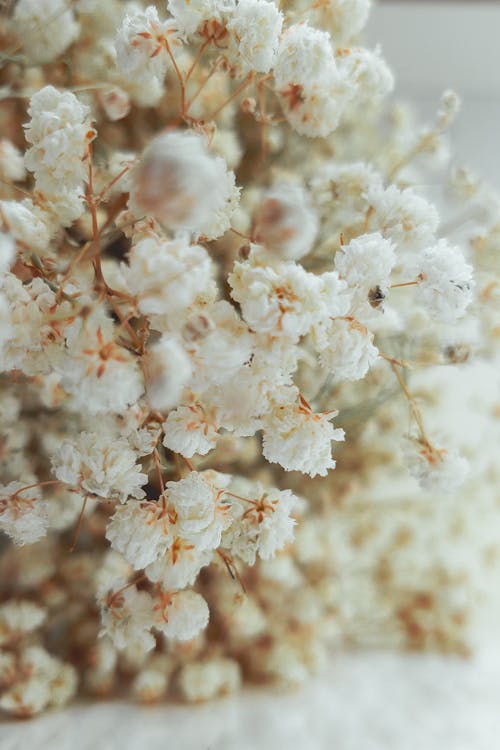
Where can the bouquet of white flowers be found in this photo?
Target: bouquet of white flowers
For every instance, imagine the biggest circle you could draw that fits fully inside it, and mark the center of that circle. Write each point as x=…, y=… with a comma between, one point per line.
x=214, y=244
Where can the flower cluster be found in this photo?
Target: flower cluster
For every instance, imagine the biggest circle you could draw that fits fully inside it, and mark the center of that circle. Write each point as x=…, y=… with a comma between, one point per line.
x=194, y=276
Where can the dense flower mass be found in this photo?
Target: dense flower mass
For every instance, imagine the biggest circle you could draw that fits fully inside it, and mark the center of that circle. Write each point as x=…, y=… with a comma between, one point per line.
x=216, y=278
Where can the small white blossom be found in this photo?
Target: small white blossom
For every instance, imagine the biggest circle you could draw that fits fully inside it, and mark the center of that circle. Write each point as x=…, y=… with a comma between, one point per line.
x=285, y=221
x=181, y=616
x=19, y=617
x=366, y=264
x=368, y=72
x=101, y=465
x=141, y=46
x=179, y=183
x=284, y=300
x=46, y=27
x=7, y=253
x=200, y=514
x=445, y=282
x=255, y=28
x=346, y=349
x=168, y=370
x=11, y=162
x=23, y=513
x=59, y=132
x=127, y=617
x=312, y=92
x=189, y=430
x=305, y=54
x=140, y=531
x=298, y=439
x=115, y=103
x=263, y=525
x=403, y=216
x=218, y=355
x=343, y=18
x=205, y=680
x=179, y=566
x=202, y=16
x=168, y=276
x=100, y=374
x=437, y=470
x=26, y=224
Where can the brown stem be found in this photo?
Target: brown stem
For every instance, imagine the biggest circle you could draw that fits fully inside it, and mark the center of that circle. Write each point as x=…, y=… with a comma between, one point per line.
x=196, y=60
x=79, y=524
x=246, y=81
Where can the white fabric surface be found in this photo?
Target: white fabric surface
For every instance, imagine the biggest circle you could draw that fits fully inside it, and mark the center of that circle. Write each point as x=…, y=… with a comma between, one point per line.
x=364, y=701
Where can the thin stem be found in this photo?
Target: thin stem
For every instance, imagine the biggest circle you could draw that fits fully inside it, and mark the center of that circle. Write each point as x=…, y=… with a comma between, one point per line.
x=405, y=283
x=201, y=86
x=413, y=406
x=79, y=524
x=156, y=460
x=196, y=60
x=246, y=81
x=113, y=182
x=179, y=76
x=36, y=484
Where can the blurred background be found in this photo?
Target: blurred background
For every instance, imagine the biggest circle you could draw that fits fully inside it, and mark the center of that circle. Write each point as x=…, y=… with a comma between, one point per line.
x=433, y=45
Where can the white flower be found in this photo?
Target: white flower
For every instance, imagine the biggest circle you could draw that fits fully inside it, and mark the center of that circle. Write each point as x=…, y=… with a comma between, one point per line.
x=179, y=566
x=339, y=190
x=181, y=616
x=26, y=698
x=200, y=15
x=366, y=264
x=25, y=224
x=168, y=370
x=6, y=331
x=346, y=349
x=140, y=531
x=343, y=18
x=19, y=617
x=100, y=374
x=35, y=344
x=403, y=216
x=312, y=92
x=11, y=162
x=205, y=680
x=263, y=525
x=369, y=73
x=115, y=103
x=284, y=300
x=127, y=617
x=445, y=282
x=255, y=28
x=7, y=253
x=437, y=469
x=141, y=46
x=100, y=464
x=285, y=221
x=189, y=430
x=219, y=354
x=59, y=131
x=305, y=55
x=298, y=439
x=45, y=27
x=315, y=110
x=200, y=514
x=168, y=276
x=23, y=513
x=178, y=182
